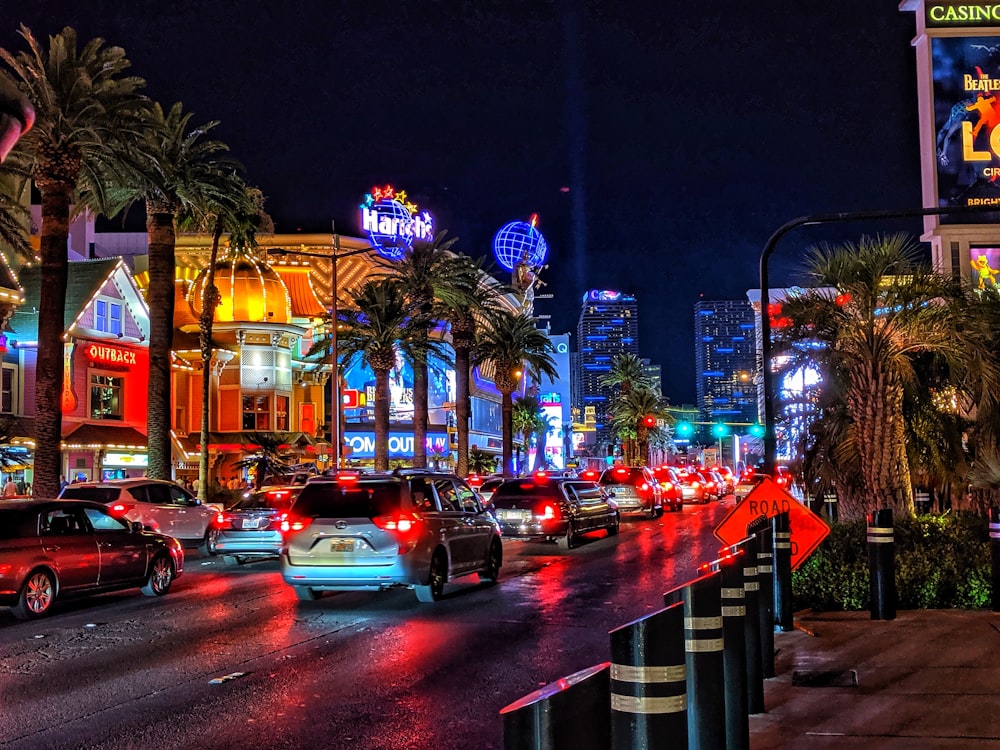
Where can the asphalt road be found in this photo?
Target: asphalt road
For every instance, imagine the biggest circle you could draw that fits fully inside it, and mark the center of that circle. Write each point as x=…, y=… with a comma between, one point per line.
x=230, y=659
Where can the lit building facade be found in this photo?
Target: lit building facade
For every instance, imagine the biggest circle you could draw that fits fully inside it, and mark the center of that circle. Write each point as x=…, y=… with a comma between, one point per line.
x=725, y=361
x=608, y=326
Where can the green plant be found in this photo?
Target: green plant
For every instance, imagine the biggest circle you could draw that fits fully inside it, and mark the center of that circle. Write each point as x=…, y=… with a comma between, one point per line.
x=941, y=562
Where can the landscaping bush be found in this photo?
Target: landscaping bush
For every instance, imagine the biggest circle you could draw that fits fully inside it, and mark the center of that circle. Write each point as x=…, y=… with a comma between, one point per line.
x=942, y=562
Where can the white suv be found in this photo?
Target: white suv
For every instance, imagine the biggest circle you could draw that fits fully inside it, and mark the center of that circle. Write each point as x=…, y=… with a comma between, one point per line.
x=163, y=506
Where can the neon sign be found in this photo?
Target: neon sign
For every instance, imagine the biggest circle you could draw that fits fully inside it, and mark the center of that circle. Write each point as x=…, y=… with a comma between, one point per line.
x=963, y=14
x=393, y=222
x=110, y=354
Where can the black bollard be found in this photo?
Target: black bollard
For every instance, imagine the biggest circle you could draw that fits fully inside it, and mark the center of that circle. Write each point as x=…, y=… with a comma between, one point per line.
x=704, y=662
x=922, y=501
x=734, y=651
x=751, y=631
x=570, y=712
x=882, y=565
x=648, y=682
x=782, y=572
x=765, y=578
x=830, y=501
x=995, y=555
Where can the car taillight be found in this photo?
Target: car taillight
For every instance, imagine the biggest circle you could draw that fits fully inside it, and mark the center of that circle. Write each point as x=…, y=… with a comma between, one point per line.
x=224, y=519
x=695, y=484
x=119, y=509
x=406, y=525
x=294, y=523
x=547, y=511
x=668, y=485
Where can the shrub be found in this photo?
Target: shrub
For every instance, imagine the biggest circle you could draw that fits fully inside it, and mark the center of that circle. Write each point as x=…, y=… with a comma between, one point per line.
x=941, y=562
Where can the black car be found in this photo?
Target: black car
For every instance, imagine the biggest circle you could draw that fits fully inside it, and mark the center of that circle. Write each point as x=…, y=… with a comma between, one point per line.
x=51, y=549
x=542, y=507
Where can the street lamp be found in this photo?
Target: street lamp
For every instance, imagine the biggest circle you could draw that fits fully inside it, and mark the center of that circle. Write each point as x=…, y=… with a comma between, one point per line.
x=336, y=255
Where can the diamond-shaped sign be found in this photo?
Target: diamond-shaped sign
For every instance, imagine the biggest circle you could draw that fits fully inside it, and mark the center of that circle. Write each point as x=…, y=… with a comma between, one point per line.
x=768, y=499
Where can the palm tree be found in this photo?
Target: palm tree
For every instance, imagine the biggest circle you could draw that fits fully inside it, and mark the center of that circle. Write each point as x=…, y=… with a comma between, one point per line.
x=16, y=115
x=266, y=458
x=627, y=418
x=83, y=103
x=481, y=462
x=889, y=309
x=477, y=293
x=506, y=343
x=431, y=279
x=374, y=327
x=625, y=374
x=176, y=173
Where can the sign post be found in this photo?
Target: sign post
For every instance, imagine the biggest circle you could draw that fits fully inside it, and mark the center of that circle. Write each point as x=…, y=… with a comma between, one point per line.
x=768, y=499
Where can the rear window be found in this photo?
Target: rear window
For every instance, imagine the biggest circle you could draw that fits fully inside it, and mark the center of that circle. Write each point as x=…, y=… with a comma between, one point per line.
x=627, y=477
x=349, y=499
x=511, y=492
x=277, y=499
x=97, y=494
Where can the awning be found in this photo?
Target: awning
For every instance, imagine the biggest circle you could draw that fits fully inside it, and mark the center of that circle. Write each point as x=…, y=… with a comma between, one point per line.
x=89, y=435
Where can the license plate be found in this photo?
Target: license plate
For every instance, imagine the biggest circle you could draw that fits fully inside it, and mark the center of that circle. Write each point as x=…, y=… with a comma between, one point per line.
x=251, y=523
x=342, y=545
x=514, y=515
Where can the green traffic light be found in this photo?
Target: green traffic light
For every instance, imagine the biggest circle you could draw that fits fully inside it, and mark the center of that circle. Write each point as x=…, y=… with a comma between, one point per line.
x=720, y=430
x=684, y=429
x=757, y=430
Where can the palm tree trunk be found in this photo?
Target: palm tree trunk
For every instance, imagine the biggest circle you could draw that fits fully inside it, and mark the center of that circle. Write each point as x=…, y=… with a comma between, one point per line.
x=381, y=420
x=875, y=404
x=210, y=301
x=160, y=226
x=49, y=405
x=463, y=407
x=420, y=413
x=507, y=431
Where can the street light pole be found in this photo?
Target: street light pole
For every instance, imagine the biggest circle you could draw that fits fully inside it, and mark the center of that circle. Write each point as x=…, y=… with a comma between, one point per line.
x=334, y=256
x=767, y=377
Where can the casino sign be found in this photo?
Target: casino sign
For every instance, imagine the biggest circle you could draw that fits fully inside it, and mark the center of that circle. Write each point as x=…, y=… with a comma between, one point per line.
x=393, y=222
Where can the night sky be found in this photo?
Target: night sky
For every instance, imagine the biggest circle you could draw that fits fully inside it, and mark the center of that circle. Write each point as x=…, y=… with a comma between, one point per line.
x=660, y=144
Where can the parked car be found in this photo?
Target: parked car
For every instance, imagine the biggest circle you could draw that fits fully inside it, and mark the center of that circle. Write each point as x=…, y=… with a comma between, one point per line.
x=163, y=506
x=55, y=549
x=368, y=532
x=542, y=507
x=634, y=489
x=251, y=527
x=669, y=486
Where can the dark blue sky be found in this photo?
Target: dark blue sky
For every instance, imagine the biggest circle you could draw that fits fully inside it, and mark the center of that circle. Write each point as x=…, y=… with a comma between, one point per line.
x=660, y=146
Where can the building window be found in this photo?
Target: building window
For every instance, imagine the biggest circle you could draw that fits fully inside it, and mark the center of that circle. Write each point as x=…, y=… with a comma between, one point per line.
x=106, y=397
x=281, y=413
x=7, y=379
x=257, y=413
x=108, y=316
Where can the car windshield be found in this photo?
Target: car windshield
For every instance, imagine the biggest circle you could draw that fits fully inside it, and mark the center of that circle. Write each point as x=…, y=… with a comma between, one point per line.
x=509, y=493
x=349, y=499
x=97, y=494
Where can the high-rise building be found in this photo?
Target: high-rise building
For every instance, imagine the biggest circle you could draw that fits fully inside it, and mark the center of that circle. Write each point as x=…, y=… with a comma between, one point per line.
x=725, y=361
x=608, y=326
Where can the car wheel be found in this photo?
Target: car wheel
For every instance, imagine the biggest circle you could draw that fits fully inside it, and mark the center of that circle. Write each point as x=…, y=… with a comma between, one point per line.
x=437, y=576
x=37, y=595
x=613, y=528
x=493, y=562
x=307, y=594
x=569, y=541
x=211, y=543
x=161, y=575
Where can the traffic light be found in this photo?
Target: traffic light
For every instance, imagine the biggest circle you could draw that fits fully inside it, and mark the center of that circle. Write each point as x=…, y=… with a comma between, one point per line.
x=720, y=430
x=684, y=429
x=649, y=421
x=757, y=430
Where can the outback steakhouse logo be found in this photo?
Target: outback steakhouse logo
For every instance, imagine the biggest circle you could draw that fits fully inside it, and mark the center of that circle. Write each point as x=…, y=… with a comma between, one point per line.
x=111, y=354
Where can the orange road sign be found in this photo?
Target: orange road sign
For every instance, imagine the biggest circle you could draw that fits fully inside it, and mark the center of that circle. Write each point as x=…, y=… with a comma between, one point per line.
x=768, y=499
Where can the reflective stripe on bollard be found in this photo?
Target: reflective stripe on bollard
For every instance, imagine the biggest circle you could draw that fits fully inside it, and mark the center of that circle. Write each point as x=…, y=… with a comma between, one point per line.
x=649, y=682
x=765, y=577
x=704, y=659
x=782, y=572
x=734, y=652
x=751, y=628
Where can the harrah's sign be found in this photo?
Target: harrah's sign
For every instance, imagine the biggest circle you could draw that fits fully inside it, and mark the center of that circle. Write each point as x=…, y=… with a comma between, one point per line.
x=110, y=354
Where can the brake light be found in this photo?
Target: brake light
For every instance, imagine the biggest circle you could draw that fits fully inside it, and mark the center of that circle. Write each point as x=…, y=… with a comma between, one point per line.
x=547, y=512
x=224, y=519
x=668, y=485
x=589, y=474
x=621, y=472
x=294, y=523
x=541, y=474
x=347, y=477
x=695, y=484
x=407, y=526
x=278, y=494
x=644, y=487
x=120, y=509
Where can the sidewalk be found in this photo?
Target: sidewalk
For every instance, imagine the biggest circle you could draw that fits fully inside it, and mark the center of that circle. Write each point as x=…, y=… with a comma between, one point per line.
x=928, y=679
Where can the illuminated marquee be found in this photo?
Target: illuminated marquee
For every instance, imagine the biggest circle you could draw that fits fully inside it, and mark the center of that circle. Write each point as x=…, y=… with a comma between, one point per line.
x=110, y=354
x=393, y=222
x=963, y=14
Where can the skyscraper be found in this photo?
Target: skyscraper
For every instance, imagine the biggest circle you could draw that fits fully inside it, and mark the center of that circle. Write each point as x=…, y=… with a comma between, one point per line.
x=725, y=361
x=608, y=326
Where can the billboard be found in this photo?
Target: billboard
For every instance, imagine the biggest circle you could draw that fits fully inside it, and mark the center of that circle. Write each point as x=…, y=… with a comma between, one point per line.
x=966, y=73
x=360, y=378
x=985, y=262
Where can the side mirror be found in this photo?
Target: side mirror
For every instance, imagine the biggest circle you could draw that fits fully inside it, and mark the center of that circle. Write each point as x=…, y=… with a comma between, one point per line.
x=136, y=526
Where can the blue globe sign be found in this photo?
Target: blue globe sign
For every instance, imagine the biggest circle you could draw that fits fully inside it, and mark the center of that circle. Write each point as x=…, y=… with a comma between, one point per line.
x=392, y=222
x=520, y=242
